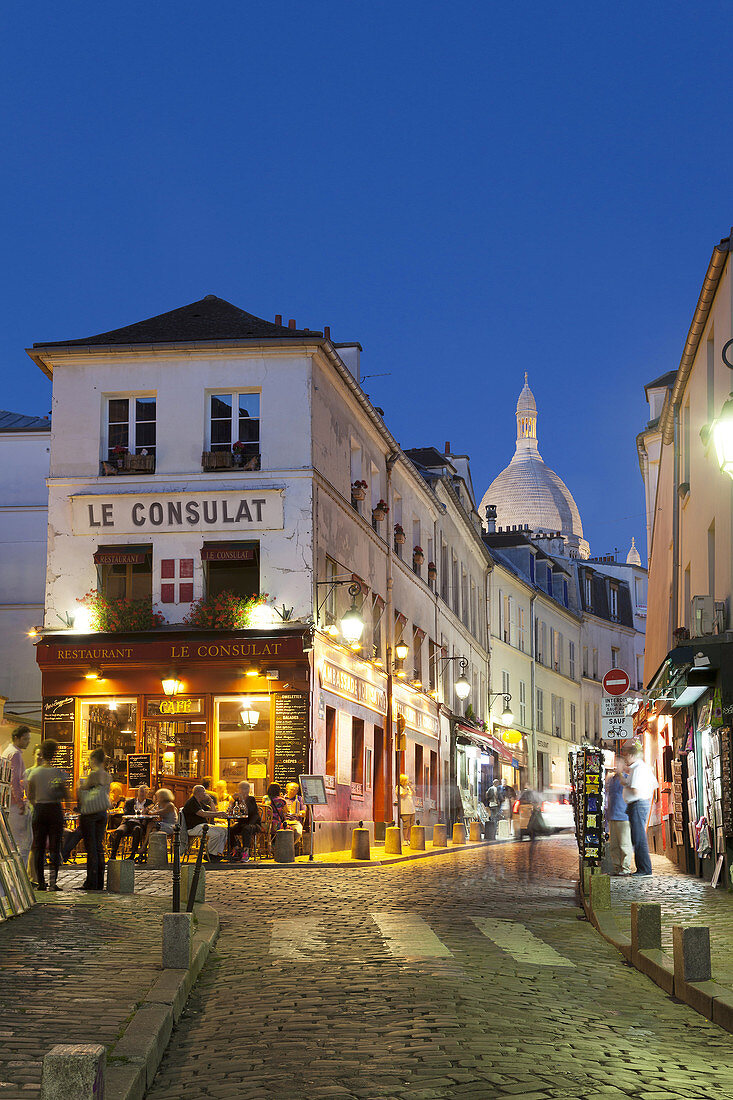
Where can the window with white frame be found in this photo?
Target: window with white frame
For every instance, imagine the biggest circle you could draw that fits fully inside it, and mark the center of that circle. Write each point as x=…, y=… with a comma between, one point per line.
x=505, y=682
x=522, y=703
x=585, y=660
x=507, y=634
x=588, y=586
x=613, y=601
x=557, y=715
x=573, y=723
x=520, y=628
x=615, y=658
x=500, y=615
x=595, y=664
x=596, y=719
x=540, y=710
x=571, y=659
x=130, y=425
x=587, y=721
x=234, y=425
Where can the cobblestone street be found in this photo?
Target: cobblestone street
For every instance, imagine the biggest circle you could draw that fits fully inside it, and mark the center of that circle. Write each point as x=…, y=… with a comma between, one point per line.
x=467, y=975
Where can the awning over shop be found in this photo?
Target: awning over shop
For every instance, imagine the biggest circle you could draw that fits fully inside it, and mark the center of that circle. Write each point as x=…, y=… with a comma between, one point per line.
x=484, y=741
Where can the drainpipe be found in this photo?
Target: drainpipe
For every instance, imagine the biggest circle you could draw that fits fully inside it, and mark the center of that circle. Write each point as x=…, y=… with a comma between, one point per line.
x=389, y=607
x=675, y=525
x=532, y=753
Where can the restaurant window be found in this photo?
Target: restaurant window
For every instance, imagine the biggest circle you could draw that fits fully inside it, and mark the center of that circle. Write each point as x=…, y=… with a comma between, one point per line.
x=434, y=777
x=232, y=567
x=357, y=754
x=130, y=424
x=234, y=418
x=109, y=724
x=243, y=726
x=420, y=791
x=125, y=572
x=330, y=741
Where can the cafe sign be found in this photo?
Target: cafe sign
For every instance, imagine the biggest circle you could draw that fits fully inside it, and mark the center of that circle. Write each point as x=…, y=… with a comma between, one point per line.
x=145, y=513
x=342, y=682
x=181, y=650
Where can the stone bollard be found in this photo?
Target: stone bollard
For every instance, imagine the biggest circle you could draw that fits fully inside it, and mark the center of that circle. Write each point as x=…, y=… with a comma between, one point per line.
x=177, y=941
x=360, y=844
x=440, y=836
x=646, y=927
x=417, y=838
x=691, y=946
x=121, y=876
x=283, y=847
x=158, y=851
x=459, y=833
x=74, y=1071
x=600, y=893
x=474, y=831
x=187, y=879
x=392, y=841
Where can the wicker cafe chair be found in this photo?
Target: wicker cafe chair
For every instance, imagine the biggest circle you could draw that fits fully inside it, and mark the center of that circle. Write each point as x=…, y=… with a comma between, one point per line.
x=264, y=836
x=189, y=844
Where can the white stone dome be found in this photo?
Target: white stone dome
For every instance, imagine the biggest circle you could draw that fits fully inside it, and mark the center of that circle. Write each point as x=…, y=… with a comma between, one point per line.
x=529, y=493
x=633, y=557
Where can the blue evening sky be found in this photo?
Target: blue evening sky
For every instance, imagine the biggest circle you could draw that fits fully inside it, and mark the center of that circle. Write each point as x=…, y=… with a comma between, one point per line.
x=471, y=190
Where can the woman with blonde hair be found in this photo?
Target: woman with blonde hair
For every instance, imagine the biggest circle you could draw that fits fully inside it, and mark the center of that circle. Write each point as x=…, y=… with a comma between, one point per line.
x=406, y=797
x=165, y=810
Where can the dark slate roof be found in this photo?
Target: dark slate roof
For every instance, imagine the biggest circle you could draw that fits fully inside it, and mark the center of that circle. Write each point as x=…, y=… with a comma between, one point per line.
x=16, y=422
x=666, y=380
x=429, y=457
x=211, y=318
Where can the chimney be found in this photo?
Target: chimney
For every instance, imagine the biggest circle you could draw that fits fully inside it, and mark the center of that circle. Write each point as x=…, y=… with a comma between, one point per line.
x=491, y=518
x=291, y=323
x=447, y=449
x=327, y=331
x=278, y=318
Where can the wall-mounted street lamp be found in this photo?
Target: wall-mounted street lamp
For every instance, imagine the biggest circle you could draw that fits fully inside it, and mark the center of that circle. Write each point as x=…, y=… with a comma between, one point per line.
x=172, y=685
x=462, y=686
x=507, y=715
x=401, y=650
x=352, y=623
x=721, y=428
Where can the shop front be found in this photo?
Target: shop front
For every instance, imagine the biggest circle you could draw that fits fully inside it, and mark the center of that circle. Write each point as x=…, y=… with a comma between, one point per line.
x=552, y=763
x=355, y=750
x=513, y=762
x=185, y=705
x=480, y=759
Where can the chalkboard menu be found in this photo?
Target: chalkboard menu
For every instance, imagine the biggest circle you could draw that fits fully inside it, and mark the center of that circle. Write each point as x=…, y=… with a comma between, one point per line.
x=291, y=736
x=138, y=769
x=64, y=758
x=58, y=719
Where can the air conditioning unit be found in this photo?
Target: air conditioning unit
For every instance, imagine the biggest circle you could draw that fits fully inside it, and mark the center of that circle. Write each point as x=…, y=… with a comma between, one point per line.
x=702, y=615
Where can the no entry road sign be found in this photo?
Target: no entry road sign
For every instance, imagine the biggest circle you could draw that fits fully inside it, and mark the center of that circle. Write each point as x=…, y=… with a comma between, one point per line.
x=616, y=682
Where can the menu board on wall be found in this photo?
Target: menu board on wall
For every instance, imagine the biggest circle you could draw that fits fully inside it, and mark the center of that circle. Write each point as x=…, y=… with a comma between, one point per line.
x=58, y=719
x=138, y=769
x=64, y=758
x=291, y=737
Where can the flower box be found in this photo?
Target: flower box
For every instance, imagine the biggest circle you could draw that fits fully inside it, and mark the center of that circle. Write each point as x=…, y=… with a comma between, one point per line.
x=418, y=555
x=358, y=490
x=217, y=460
x=138, y=464
x=380, y=510
x=399, y=534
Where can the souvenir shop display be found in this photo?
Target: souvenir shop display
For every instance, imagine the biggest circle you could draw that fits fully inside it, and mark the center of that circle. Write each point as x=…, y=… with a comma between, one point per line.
x=587, y=770
x=16, y=892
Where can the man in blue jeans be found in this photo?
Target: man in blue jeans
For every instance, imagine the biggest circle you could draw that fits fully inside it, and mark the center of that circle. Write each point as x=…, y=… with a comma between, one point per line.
x=639, y=786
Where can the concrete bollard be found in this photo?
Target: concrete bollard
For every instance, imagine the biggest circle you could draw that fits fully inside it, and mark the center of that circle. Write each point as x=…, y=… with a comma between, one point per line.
x=121, y=876
x=74, y=1071
x=158, y=851
x=392, y=841
x=474, y=831
x=646, y=926
x=177, y=941
x=417, y=838
x=186, y=880
x=283, y=847
x=691, y=946
x=600, y=893
x=459, y=833
x=440, y=836
x=360, y=844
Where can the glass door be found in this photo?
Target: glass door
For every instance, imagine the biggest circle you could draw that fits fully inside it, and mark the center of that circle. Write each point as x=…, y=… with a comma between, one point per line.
x=178, y=752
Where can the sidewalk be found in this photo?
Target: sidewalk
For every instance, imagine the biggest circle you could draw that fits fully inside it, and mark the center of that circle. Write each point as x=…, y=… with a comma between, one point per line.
x=684, y=900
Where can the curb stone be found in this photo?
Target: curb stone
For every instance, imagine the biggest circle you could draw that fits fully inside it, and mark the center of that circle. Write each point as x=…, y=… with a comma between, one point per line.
x=134, y=1059
x=711, y=1000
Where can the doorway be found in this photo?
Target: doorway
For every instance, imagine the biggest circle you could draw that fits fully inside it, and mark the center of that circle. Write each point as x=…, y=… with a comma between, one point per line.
x=379, y=777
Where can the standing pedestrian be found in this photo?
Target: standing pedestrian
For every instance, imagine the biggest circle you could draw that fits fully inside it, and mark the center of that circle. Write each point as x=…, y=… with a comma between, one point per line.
x=639, y=786
x=494, y=798
x=93, y=803
x=19, y=815
x=619, y=829
x=48, y=788
x=407, y=805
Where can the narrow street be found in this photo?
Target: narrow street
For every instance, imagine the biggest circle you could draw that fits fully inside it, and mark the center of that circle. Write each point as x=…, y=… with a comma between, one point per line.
x=468, y=975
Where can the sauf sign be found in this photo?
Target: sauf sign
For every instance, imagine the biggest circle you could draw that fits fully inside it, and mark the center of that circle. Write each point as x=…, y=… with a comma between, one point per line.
x=128, y=514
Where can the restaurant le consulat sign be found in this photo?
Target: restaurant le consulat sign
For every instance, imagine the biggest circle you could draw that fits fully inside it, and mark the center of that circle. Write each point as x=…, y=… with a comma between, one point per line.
x=56, y=654
x=135, y=513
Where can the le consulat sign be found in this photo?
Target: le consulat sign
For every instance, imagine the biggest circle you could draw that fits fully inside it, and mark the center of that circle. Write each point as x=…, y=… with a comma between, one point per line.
x=133, y=513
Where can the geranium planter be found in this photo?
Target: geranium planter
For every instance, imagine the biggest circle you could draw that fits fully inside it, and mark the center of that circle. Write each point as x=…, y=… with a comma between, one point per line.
x=217, y=460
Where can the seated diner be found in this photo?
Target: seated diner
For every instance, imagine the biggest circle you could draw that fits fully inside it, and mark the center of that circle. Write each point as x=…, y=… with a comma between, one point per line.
x=196, y=814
